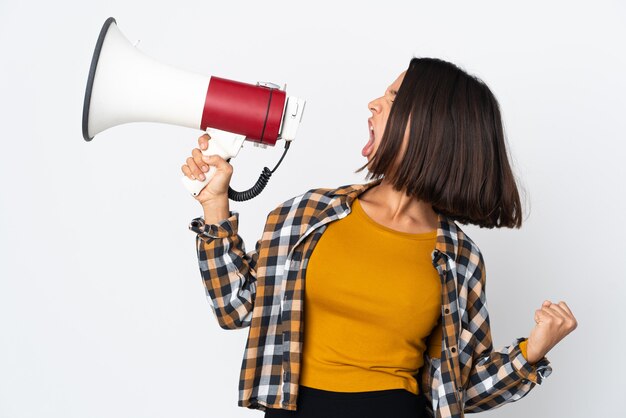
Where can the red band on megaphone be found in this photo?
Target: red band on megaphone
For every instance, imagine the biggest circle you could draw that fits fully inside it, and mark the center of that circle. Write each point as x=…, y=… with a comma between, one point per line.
x=245, y=109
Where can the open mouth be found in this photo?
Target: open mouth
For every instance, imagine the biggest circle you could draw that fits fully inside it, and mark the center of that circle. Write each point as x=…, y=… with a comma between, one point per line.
x=367, y=149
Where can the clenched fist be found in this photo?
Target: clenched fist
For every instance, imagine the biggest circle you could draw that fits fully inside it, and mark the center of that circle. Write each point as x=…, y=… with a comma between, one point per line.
x=198, y=164
x=554, y=321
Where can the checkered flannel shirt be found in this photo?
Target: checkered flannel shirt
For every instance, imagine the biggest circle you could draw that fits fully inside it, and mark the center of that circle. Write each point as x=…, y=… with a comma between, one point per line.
x=264, y=291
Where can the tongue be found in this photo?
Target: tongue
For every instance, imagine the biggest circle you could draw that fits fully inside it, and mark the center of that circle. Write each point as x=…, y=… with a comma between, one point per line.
x=367, y=148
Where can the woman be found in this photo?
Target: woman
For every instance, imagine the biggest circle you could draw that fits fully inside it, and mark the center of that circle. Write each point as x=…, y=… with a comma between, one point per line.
x=396, y=323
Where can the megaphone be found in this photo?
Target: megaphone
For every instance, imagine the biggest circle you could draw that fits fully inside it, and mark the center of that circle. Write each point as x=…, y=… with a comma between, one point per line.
x=125, y=85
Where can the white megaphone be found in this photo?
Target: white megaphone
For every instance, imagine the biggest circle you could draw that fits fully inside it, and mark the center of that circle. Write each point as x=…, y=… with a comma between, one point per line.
x=125, y=85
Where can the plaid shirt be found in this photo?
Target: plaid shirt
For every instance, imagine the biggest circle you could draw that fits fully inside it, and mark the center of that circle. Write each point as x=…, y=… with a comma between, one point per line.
x=264, y=290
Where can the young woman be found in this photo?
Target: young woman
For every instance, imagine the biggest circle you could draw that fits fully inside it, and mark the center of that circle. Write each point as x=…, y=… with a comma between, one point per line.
x=396, y=321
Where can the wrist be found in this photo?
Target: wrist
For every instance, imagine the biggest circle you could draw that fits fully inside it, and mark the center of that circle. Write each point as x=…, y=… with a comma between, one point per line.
x=215, y=203
x=215, y=210
x=530, y=353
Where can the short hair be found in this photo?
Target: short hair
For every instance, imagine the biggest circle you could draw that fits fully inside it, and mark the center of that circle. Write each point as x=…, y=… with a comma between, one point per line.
x=456, y=158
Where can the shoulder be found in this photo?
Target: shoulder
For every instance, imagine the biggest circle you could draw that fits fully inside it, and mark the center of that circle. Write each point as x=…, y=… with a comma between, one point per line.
x=293, y=215
x=318, y=197
x=306, y=207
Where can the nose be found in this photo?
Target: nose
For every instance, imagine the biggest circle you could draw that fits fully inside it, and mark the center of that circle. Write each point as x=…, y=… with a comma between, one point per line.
x=373, y=106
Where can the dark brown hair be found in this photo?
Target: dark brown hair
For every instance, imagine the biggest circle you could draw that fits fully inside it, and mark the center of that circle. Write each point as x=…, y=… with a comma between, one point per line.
x=456, y=157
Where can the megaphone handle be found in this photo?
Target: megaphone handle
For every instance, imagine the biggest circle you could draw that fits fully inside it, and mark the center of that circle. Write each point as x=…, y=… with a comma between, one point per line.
x=224, y=144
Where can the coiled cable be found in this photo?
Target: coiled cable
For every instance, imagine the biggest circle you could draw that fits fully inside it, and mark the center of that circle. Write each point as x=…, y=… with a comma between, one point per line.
x=260, y=183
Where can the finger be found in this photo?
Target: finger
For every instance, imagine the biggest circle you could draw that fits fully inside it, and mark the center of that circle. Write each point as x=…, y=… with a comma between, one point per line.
x=212, y=160
x=187, y=172
x=568, y=316
x=539, y=316
x=559, y=310
x=546, y=303
x=203, y=141
x=565, y=307
x=543, y=314
x=219, y=162
x=197, y=157
x=195, y=170
x=552, y=315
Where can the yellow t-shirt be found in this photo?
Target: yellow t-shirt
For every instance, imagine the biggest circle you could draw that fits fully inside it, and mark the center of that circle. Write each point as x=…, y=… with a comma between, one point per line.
x=372, y=297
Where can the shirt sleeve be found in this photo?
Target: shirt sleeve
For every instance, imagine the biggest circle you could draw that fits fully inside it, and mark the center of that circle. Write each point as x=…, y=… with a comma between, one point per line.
x=228, y=272
x=496, y=376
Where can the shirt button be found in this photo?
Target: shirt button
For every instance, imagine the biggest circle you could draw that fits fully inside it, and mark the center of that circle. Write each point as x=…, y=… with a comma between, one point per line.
x=453, y=350
x=447, y=310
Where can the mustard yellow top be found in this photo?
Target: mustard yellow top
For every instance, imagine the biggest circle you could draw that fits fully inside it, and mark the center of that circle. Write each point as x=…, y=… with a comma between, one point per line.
x=372, y=297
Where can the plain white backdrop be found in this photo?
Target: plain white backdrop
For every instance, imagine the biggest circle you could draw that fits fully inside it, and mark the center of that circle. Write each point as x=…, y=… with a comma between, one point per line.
x=102, y=309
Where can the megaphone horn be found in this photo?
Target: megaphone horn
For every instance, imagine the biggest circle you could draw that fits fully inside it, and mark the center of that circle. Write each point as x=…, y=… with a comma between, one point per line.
x=125, y=85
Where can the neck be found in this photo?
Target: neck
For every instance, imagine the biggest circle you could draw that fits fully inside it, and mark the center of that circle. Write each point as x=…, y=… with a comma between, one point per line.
x=398, y=207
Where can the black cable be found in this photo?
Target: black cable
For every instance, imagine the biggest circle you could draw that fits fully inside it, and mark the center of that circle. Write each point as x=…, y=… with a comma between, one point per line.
x=260, y=183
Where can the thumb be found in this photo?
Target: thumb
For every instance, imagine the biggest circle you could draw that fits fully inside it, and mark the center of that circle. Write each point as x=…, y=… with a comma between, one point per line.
x=215, y=160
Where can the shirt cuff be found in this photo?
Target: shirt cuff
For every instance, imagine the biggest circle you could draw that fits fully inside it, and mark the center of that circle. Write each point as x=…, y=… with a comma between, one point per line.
x=529, y=372
x=222, y=229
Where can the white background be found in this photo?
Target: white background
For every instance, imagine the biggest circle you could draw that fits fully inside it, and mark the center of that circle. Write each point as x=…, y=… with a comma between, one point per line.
x=102, y=308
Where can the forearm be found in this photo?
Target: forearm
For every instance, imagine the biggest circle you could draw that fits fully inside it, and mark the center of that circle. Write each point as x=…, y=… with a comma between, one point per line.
x=229, y=279
x=228, y=272
x=502, y=376
x=216, y=210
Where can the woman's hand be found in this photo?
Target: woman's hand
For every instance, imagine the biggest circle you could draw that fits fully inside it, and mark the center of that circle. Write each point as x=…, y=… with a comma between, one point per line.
x=554, y=322
x=198, y=164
